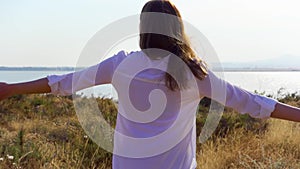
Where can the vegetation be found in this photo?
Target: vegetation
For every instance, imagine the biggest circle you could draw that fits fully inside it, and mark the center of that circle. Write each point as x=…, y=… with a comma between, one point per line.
x=42, y=131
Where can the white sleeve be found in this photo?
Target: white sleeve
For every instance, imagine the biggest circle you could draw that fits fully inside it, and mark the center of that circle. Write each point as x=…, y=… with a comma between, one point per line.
x=255, y=105
x=101, y=73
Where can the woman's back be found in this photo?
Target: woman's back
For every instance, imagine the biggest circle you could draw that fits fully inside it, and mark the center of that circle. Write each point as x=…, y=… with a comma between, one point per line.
x=163, y=118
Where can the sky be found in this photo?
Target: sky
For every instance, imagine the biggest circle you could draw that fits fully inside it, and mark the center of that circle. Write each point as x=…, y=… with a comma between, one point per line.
x=54, y=32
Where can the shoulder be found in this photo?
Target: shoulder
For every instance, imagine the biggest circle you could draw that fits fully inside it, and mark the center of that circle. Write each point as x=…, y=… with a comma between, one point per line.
x=121, y=55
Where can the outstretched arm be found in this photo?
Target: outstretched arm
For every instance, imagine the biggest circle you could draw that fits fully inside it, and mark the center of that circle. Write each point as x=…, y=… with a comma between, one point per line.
x=245, y=102
x=37, y=86
x=286, y=112
x=66, y=84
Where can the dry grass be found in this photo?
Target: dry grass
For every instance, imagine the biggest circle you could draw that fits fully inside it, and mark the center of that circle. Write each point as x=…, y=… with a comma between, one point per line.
x=277, y=148
x=42, y=131
x=51, y=137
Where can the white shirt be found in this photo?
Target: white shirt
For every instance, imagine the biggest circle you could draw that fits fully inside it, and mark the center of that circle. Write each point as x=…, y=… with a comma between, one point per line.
x=159, y=129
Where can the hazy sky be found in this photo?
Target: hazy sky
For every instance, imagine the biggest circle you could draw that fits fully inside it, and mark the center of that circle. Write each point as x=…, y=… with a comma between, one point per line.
x=53, y=32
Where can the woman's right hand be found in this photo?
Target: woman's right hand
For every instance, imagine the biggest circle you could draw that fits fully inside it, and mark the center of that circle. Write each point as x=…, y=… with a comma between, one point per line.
x=6, y=90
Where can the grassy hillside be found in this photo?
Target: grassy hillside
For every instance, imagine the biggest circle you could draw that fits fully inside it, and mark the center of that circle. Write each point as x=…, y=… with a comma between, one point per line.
x=42, y=131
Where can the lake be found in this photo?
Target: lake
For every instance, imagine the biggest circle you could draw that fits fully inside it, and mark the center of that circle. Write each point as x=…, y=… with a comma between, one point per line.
x=269, y=82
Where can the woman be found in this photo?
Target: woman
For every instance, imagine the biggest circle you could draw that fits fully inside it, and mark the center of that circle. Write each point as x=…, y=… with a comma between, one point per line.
x=168, y=72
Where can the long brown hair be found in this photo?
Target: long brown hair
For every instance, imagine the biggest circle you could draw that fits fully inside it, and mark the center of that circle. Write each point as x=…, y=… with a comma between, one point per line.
x=178, y=44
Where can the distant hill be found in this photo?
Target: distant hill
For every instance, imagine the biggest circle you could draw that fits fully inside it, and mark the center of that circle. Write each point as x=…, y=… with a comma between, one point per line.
x=4, y=68
x=286, y=61
x=283, y=63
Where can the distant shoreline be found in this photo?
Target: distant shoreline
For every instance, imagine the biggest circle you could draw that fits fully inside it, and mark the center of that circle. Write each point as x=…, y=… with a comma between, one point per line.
x=256, y=70
x=3, y=68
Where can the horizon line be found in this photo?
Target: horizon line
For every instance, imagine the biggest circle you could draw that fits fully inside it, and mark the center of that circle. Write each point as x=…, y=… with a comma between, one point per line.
x=217, y=69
